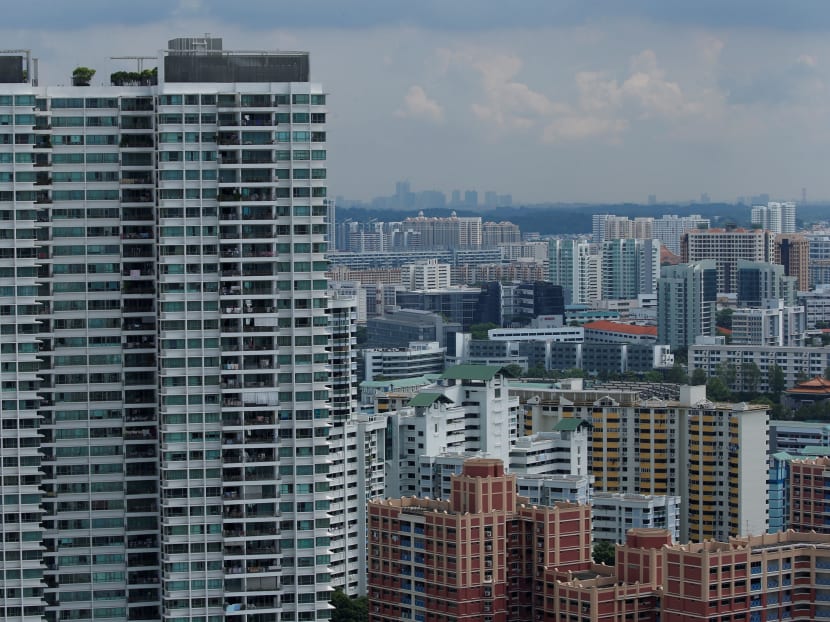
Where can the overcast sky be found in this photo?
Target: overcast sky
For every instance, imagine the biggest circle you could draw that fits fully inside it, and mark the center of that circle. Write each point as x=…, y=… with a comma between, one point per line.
x=550, y=100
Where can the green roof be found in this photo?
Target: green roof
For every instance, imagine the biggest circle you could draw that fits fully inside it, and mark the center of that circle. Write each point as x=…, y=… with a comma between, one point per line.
x=816, y=450
x=472, y=372
x=569, y=424
x=428, y=399
x=398, y=383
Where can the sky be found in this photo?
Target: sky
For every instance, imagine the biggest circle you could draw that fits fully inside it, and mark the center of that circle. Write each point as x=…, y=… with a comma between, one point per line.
x=550, y=100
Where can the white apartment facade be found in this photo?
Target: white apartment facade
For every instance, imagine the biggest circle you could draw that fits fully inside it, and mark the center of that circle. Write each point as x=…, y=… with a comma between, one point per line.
x=167, y=329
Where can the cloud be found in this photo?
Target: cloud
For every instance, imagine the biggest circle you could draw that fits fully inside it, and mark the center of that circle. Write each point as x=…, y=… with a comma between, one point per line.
x=798, y=81
x=418, y=105
x=505, y=102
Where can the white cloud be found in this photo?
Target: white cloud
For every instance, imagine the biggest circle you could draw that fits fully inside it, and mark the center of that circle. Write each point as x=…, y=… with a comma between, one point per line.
x=505, y=102
x=418, y=105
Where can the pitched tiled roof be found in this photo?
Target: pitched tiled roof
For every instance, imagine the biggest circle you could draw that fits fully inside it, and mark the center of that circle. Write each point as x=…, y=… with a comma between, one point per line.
x=619, y=327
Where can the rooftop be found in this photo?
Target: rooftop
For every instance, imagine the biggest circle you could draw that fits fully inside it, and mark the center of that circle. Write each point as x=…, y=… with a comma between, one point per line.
x=620, y=327
x=428, y=399
x=472, y=372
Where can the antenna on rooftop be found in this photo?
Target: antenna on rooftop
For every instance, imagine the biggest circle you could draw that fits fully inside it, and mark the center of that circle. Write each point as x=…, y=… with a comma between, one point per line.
x=139, y=60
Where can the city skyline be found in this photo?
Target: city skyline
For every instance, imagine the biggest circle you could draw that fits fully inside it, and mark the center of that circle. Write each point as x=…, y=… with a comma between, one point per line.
x=556, y=103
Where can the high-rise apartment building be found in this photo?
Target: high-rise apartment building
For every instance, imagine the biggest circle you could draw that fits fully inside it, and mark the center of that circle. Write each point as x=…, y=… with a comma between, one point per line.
x=774, y=216
x=669, y=228
x=576, y=266
x=166, y=348
x=726, y=247
x=686, y=303
x=476, y=556
x=809, y=487
x=793, y=252
x=666, y=447
x=630, y=267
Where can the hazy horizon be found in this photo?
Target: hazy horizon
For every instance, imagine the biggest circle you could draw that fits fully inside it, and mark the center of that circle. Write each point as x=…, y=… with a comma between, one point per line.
x=551, y=101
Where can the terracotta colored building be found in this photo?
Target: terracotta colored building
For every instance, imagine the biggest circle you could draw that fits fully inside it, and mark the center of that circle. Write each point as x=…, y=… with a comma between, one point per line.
x=476, y=557
x=809, y=491
x=487, y=556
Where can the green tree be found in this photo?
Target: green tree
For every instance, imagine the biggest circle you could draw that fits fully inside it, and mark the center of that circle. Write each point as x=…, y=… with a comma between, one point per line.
x=676, y=374
x=349, y=609
x=653, y=376
x=574, y=372
x=82, y=76
x=776, y=381
x=750, y=377
x=724, y=318
x=514, y=371
x=537, y=371
x=726, y=371
x=479, y=331
x=604, y=552
x=698, y=377
x=716, y=389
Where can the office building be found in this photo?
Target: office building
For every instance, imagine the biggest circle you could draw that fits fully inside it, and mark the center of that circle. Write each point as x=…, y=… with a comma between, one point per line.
x=686, y=303
x=457, y=304
x=726, y=247
x=419, y=358
x=166, y=344
x=402, y=326
x=760, y=281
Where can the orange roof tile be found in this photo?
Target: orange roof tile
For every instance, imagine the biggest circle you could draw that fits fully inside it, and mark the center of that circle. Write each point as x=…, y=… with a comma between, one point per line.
x=619, y=327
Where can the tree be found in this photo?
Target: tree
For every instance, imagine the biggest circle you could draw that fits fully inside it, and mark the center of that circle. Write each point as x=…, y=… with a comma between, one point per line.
x=776, y=381
x=604, y=552
x=727, y=373
x=479, y=331
x=82, y=76
x=724, y=318
x=348, y=609
x=676, y=374
x=716, y=389
x=653, y=376
x=514, y=371
x=698, y=377
x=750, y=377
x=537, y=371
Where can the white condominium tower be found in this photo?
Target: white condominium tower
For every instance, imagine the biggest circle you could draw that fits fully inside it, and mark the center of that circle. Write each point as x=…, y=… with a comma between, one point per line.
x=166, y=344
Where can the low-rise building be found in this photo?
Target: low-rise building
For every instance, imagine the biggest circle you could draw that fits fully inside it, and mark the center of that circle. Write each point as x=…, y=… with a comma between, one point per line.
x=421, y=357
